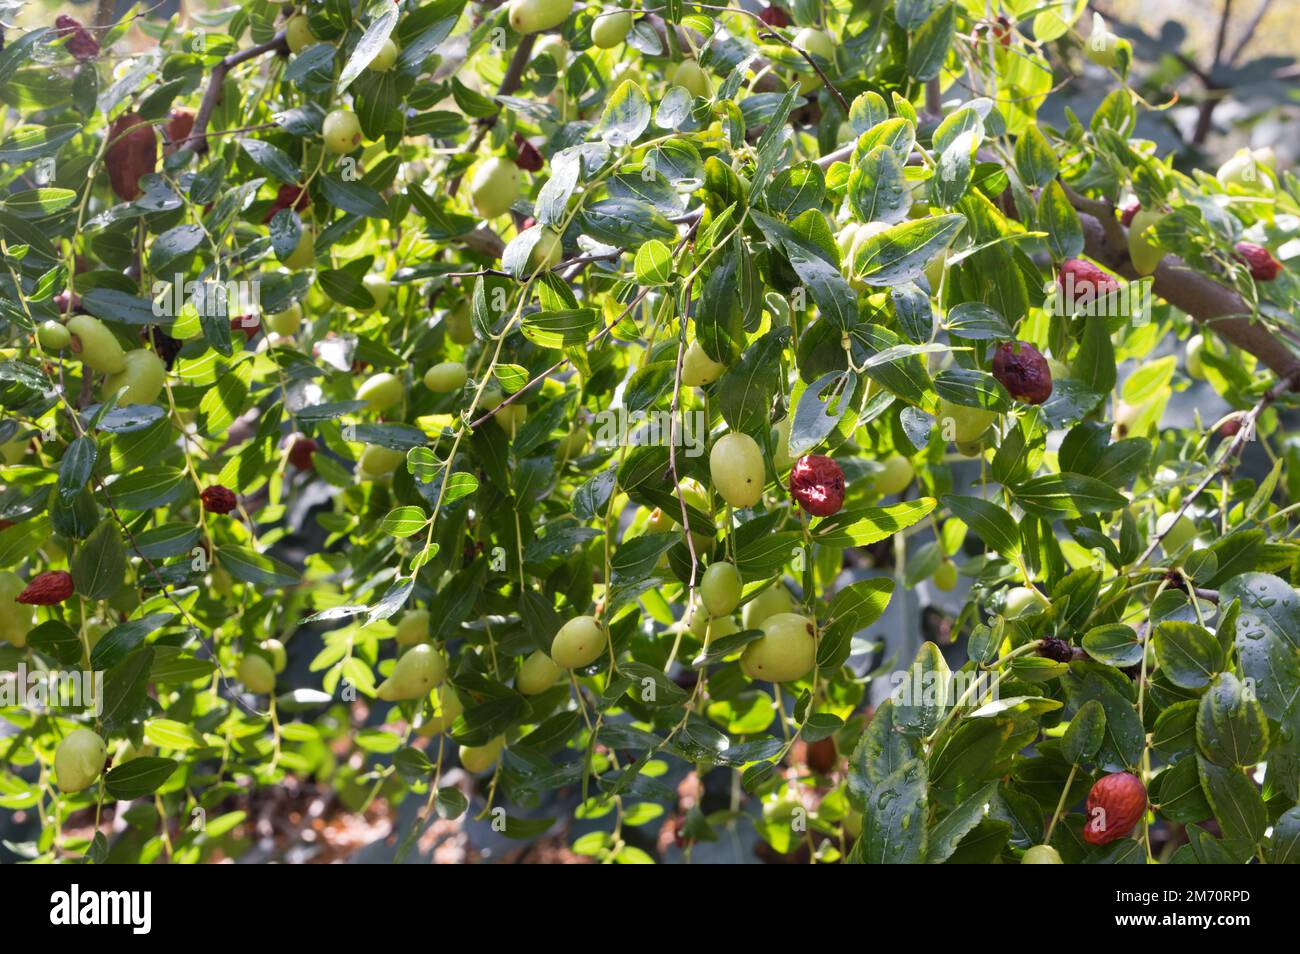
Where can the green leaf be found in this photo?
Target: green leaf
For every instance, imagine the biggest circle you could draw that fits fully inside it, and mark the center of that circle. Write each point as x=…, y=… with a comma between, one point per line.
x=988, y=521
x=371, y=42
x=139, y=777
x=900, y=253
x=626, y=115
x=1187, y=654
x=1268, y=642
x=1058, y=219
x=894, y=829
x=1114, y=644
x=1230, y=725
x=1067, y=496
x=76, y=466
x=1035, y=158
x=99, y=565
x=1235, y=801
x=256, y=568
x=864, y=526
x=930, y=44
x=1084, y=735
x=878, y=190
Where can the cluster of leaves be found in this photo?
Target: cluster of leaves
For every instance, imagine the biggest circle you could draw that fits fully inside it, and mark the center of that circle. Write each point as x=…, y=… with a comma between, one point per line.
x=708, y=221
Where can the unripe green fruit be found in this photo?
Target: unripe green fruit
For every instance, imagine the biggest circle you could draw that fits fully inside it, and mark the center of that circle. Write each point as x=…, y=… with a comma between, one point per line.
x=79, y=759
x=553, y=45
x=1194, y=352
x=580, y=642
x=412, y=628
x=257, y=675
x=491, y=398
x=934, y=271
x=494, y=186
x=53, y=336
x=297, y=33
x=378, y=461
x=447, y=707
x=896, y=475
x=287, y=322
x=304, y=253
x=459, y=328
x=658, y=522
x=377, y=285
x=16, y=619
x=1041, y=855
x=385, y=58
x=786, y=651
x=781, y=459
x=533, y=16
x=142, y=377
x=967, y=423
x=537, y=674
x=1145, y=253
x=99, y=349
x=276, y=653
x=14, y=451
x=1023, y=601
x=688, y=75
x=609, y=29
x=418, y=670
x=476, y=759
x=381, y=391
x=769, y=603
x=1243, y=172
x=446, y=377
x=511, y=418
x=548, y=252
x=817, y=43
x=1103, y=49
x=736, y=468
x=698, y=369
x=945, y=576
x=720, y=626
x=720, y=589
x=1178, y=531
x=853, y=824
x=341, y=131
x=697, y=621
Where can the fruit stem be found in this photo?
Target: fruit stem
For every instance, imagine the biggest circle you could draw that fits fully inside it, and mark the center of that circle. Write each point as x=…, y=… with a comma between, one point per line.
x=1060, y=805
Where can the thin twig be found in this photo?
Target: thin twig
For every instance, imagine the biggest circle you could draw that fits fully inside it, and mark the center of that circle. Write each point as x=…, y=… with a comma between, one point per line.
x=509, y=83
x=198, y=133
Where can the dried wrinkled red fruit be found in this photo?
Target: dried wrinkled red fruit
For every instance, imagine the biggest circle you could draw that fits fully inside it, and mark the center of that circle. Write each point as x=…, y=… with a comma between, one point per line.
x=80, y=43
x=1115, y=804
x=179, y=125
x=1083, y=280
x=46, y=589
x=1023, y=372
x=817, y=483
x=301, y=453
x=1130, y=210
x=218, y=499
x=132, y=153
x=1263, y=266
x=774, y=16
x=1056, y=649
x=526, y=155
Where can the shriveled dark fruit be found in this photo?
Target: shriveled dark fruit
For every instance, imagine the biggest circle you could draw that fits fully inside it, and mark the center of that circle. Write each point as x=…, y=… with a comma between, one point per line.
x=1023, y=372
x=1263, y=266
x=817, y=483
x=774, y=16
x=179, y=125
x=1082, y=280
x=1001, y=31
x=218, y=499
x=48, y=588
x=250, y=325
x=1057, y=649
x=1130, y=210
x=527, y=157
x=288, y=197
x=1115, y=804
x=80, y=43
x=1230, y=428
x=301, y=453
x=132, y=153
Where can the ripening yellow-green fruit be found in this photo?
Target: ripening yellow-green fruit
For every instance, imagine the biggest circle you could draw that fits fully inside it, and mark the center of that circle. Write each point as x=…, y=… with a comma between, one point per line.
x=1102, y=47
x=287, y=322
x=142, y=376
x=79, y=759
x=297, y=33
x=580, y=642
x=476, y=759
x=688, y=75
x=53, y=336
x=721, y=588
x=446, y=377
x=276, y=653
x=1177, y=531
x=895, y=476
x=786, y=651
x=608, y=30
x=341, y=131
x=1194, y=354
x=304, y=253
x=548, y=252
x=16, y=619
x=533, y=16
x=736, y=468
x=962, y=424
x=418, y=671
x=945, y=575
x=257, y=675
x=494, y=186
x=98, y=349
x=1244, y=172
x=447, y=707
x=698, y=369
x=379, y=461
x=1023, y=601
x=381, y=391
x=510, y=418
x=1041, y=855
x=720, y=626
x=1144, y=252
x=768, y=603
x=377, y=286
x=537, y=673
x=385, y=58
x=412, y=628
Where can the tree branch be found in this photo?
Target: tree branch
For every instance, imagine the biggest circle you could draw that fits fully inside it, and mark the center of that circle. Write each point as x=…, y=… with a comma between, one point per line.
x=509, y=83
x=198, y=139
